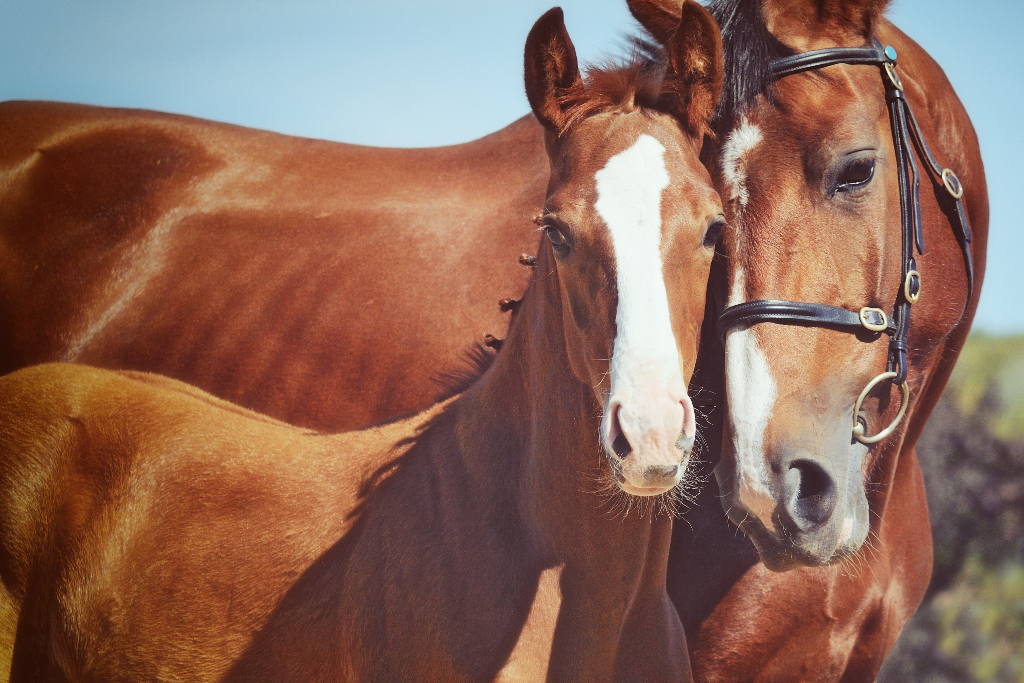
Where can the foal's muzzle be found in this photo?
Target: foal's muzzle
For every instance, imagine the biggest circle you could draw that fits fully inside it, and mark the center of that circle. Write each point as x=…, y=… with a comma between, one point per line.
x=648, y=442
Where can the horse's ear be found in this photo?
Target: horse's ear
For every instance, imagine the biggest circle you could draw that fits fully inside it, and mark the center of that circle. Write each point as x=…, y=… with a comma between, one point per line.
x=659, y=17
x=693, y=83
x=551, y=69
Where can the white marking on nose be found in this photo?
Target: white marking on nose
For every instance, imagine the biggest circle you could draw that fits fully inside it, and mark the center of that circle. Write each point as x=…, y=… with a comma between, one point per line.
x=645, y=375
x=741, y=141
x=846, y=532
x=751, y=394
x=737, y=293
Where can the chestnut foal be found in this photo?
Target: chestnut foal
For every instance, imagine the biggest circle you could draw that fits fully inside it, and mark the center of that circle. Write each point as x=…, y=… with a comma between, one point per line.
x=152, y=531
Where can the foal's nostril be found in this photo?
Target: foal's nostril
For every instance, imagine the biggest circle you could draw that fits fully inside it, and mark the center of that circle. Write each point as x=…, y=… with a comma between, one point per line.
x=811, y=494
x=621, y=446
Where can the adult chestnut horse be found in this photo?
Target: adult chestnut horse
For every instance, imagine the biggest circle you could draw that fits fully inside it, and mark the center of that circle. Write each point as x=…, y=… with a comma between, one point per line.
x=846, y=298
x=743, y=622
x=269, y=270
x=152, y=531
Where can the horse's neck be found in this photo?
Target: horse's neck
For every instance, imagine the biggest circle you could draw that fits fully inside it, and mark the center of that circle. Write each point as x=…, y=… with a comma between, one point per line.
x=949, y=133
x=531, y=419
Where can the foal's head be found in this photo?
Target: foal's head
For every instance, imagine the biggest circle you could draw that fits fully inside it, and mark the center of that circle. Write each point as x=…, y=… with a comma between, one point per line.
x=631, y=220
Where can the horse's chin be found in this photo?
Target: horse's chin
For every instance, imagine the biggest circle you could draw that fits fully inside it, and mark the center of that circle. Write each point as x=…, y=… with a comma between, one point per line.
x=644, y=491
x=782, y=552
x=638, y=491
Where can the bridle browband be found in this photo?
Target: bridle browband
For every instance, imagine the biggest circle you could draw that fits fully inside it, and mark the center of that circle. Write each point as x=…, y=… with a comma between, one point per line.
x=873, y=321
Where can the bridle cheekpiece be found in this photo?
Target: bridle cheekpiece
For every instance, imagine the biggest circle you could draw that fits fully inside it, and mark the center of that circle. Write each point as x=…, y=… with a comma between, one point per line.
x=875, y=320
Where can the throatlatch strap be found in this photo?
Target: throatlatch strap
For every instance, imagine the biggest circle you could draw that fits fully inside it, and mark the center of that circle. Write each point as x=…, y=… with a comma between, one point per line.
x=961, y=227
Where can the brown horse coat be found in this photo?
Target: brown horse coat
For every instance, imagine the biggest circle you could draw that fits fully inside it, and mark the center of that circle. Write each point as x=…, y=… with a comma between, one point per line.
x=152, y=531
x=743, y=622
x=807, y=223
x=266, y=269
x=186, y=538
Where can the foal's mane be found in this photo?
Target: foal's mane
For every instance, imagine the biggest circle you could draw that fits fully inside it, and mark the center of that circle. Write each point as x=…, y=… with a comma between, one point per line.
x=474, y=363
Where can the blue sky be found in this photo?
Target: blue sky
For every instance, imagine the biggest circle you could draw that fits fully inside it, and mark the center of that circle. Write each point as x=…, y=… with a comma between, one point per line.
x=404, y=73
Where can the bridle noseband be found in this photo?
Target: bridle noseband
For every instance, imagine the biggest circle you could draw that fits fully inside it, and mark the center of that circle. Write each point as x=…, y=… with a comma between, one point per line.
x=874, y=320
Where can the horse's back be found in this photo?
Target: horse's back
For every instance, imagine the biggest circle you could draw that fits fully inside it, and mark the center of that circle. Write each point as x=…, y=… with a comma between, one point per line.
x=274, y=271
x=123, y=492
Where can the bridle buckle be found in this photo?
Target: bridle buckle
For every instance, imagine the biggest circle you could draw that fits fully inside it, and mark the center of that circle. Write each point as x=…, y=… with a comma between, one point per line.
x=953, y=185
x=874, y=319
x=912, y=286
x=894, y=78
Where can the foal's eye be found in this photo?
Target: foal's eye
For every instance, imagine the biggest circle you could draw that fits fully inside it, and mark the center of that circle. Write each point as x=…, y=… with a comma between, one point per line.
x=856, y=175
x=713, y=233
x=557, y=239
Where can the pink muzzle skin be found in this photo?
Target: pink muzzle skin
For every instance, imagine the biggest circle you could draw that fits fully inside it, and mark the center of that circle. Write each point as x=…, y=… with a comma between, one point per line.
x=648, y=438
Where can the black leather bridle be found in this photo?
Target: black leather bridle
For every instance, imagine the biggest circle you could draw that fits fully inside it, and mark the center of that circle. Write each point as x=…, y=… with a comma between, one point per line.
x=897, y=325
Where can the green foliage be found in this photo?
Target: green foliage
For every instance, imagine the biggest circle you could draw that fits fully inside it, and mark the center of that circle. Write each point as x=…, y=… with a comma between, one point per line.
x=970, y=627
x=980, y=620
x=990, y=364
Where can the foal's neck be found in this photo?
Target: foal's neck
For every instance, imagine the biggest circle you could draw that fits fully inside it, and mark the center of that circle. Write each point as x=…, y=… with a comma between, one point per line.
x=532, y=425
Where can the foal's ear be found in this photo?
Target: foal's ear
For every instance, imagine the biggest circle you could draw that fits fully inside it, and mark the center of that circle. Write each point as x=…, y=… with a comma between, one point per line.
x=659, y=17
x=551, y=69
x=693, y=83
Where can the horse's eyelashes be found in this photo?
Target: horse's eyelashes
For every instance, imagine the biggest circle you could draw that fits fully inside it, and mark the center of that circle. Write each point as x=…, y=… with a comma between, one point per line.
x=856, y=175
x=713, y=233
x=557, y=239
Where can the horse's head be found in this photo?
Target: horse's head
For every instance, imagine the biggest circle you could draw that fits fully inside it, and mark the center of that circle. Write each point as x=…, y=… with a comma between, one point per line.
x=631, y=220
x=809, y=174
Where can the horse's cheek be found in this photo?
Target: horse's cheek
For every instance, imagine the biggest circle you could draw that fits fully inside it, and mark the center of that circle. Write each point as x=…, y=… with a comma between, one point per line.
x=580, y=312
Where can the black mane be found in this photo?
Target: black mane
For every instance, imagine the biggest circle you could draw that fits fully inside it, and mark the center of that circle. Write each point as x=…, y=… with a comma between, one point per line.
x=748, y=49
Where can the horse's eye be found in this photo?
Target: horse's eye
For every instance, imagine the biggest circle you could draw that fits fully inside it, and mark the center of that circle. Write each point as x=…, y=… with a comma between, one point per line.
x=557, y=239
x=856, y=175
x=713, y=233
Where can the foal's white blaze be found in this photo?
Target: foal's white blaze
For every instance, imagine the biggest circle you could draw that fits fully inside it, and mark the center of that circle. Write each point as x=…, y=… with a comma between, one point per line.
x=647, y=388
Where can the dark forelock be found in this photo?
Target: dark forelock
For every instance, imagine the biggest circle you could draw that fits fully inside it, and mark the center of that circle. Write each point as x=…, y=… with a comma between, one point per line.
x=748, y=49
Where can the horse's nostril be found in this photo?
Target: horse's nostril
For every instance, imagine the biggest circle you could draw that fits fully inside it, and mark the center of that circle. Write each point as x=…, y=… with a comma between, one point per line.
x=813, y=494
x=813, y=480
x=684, y=443
x=621, y=446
